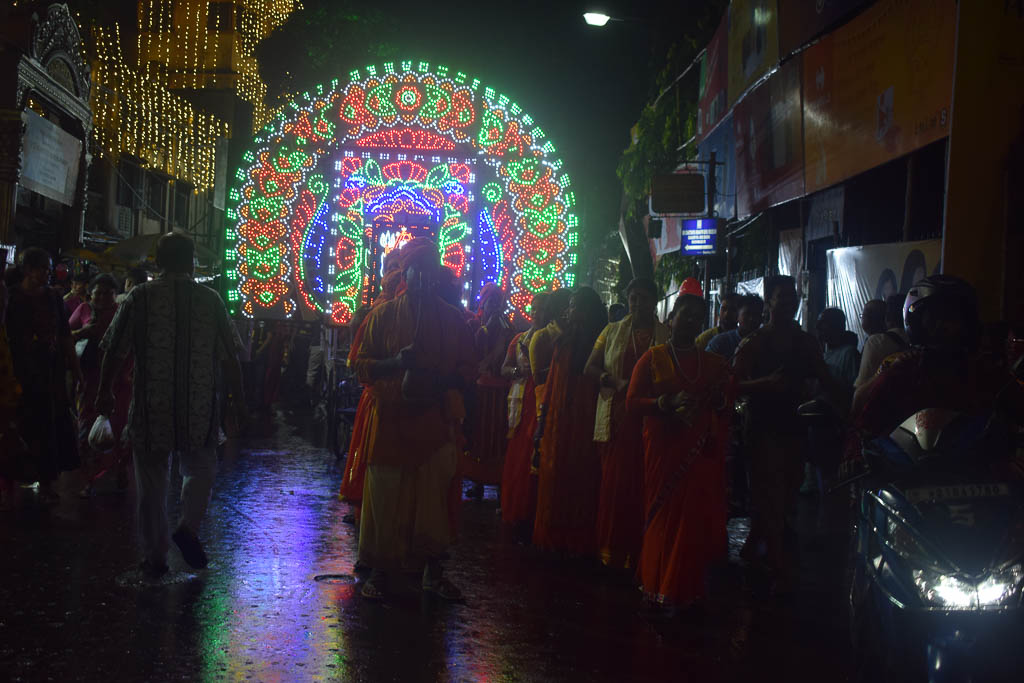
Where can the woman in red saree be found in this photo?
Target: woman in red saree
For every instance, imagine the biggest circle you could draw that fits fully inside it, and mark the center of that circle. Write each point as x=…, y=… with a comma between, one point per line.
x=569, y=478
x=684, y=395
x=617, y=434
x=93, y=317
x=518, y=495
x=487, y=438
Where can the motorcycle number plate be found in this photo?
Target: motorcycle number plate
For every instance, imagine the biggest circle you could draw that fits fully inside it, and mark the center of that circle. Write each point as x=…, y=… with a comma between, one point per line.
x=958, y=492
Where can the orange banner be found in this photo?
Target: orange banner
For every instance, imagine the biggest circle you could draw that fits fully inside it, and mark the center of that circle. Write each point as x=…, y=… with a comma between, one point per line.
x=877, y=88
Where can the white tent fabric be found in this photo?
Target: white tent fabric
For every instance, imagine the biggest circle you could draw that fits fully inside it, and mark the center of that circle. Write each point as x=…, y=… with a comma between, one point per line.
x=859, y=274
x=791, y=262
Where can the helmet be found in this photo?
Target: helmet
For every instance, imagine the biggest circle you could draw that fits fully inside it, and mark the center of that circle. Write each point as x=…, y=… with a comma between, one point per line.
x=948, y=297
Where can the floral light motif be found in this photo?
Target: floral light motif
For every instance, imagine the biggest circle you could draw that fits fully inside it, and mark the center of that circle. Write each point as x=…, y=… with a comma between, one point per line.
x=353, y=165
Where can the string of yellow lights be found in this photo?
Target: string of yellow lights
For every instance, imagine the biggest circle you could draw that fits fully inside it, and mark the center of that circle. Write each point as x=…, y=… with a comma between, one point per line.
x=195, y=45
x=135, y=114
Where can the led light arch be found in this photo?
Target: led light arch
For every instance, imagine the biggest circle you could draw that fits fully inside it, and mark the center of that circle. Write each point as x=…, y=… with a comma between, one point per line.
x=348, y=172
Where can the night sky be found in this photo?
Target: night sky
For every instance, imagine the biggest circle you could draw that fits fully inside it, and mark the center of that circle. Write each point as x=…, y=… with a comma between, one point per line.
x=584, y=86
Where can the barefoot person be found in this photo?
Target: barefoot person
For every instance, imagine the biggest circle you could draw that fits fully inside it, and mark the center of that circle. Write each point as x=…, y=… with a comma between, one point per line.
x=415, y=355
x=180, y=337
x=569, y=477
x=684, y=396
x=772, y=366
x=354, y=477
x=617, y=435
x=518, y=495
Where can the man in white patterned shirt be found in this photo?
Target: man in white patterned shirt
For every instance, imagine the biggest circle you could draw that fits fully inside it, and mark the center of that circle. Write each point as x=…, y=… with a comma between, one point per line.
x=180, y=337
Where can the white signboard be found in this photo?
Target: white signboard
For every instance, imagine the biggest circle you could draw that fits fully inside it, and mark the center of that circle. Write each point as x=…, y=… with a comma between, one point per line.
x=51, y=157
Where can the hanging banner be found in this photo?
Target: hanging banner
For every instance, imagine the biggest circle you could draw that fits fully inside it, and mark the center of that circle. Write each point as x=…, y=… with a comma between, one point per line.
x=769, y=156
x=753, y=43
x=800, y=21
x=877, y=88
x=714, y=80
x=858, y=274
x=722, y=141
x=51, y=157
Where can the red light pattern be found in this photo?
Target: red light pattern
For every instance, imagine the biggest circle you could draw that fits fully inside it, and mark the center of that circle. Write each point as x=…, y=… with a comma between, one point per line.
x=406, y=138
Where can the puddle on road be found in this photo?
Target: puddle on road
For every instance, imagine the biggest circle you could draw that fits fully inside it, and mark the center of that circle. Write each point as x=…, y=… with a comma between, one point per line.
x=133, y=578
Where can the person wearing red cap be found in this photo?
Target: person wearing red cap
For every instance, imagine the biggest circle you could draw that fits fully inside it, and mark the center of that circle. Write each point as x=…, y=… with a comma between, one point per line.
x=692, y=287
x=415, y=355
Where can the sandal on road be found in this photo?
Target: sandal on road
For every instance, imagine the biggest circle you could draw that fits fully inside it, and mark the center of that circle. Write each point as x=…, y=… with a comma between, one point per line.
x=373, y=588
x=444, y=589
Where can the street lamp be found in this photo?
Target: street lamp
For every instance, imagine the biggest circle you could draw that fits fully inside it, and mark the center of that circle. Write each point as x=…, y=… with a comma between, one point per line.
x=596, y=18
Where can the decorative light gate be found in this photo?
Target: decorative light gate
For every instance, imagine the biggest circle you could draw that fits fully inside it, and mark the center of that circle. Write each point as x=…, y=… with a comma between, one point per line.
x=347, y=173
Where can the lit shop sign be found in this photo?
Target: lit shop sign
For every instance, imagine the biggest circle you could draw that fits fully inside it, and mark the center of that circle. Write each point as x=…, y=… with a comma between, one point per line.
x=699, y=236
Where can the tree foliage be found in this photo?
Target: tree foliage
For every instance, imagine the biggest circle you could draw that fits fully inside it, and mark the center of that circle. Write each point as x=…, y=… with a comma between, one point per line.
x=666, y=122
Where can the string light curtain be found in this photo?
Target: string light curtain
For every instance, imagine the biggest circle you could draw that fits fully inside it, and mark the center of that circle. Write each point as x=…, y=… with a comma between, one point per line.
x=135, y=114
x=195, y=45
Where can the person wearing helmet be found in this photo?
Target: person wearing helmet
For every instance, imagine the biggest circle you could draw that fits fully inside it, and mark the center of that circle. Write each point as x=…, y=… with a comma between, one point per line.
x=941, y=369
x=941, y=316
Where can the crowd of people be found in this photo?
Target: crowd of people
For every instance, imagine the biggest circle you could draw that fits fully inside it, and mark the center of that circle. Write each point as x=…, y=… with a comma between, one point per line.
x=152, y=366
x=626, y=441
x=612, y=436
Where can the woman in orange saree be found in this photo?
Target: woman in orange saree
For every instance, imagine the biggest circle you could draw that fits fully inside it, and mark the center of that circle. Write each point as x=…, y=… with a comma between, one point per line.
x=684, y=395
x=492, y=335
x=352, y=480
x=569, y=477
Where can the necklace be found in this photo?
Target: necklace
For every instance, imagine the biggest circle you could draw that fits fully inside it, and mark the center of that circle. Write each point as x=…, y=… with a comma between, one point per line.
x=679, y=367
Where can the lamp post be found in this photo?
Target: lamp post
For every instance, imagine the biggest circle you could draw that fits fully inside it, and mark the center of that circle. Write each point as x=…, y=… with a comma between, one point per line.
x=596, y=18
x=599, y=19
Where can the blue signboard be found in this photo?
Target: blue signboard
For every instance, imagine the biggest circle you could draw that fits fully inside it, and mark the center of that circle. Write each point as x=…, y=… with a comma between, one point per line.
x=700, y=236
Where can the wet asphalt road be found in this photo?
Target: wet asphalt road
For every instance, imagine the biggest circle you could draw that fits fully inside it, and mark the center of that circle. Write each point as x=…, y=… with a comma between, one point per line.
x=72, y=608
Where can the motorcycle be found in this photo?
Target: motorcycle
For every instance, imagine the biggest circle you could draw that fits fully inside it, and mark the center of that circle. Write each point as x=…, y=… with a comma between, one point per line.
x=937, y=553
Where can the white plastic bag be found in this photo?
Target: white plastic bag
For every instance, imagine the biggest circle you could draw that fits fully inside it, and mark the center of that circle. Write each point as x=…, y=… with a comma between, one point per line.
x=101, y=436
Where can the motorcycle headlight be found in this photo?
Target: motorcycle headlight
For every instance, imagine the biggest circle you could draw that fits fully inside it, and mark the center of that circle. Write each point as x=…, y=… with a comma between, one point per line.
x=944, y=590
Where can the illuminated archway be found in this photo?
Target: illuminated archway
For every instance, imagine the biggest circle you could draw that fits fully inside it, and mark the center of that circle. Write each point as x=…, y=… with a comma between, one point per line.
x=348, y=172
